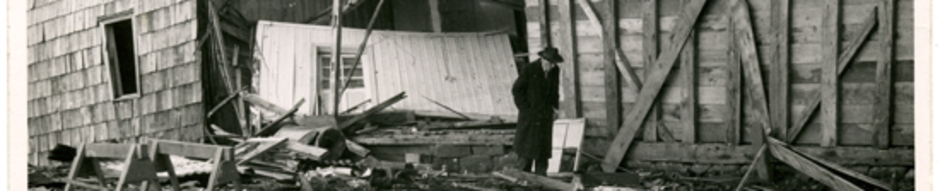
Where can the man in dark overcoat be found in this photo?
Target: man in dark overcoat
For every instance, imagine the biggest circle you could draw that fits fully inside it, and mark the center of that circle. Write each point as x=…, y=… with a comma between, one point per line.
x=535, y=93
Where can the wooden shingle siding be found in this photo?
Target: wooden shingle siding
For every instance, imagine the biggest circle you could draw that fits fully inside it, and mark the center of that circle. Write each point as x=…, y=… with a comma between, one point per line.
x=69, y=83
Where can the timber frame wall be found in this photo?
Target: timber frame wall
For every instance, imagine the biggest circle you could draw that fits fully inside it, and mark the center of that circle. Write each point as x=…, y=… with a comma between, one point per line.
x=704, y=113
x=70, y=94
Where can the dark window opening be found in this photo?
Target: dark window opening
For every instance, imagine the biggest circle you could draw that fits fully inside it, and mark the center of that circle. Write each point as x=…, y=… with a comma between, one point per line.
x=121, y=54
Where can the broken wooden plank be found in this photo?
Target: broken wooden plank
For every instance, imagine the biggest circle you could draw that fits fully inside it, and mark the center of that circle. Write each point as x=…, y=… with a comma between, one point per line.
x=733, y=90
x=651, y=88
x=355, y=107
x=539, y=180
x=650, y=53
x=829, y=82
x=273, y=127
x=844, y=60
x=779, y=67
x=473, y=116
x=262, y=148
x=224, y=102
x=373, y=110
x=570, y=104
x=838, y=168
x=255, y=100
x=810, y=168
x=311, y=151
x=357, y=149
x=883, y=94
x=467, y=125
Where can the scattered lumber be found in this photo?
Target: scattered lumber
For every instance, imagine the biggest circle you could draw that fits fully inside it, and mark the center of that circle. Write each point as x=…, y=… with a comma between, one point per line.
x=473, y=187
x=467, y=125
x=829, y=166
x=357, y=149
x=373, y=110
x=473, y=116
x=264, y=147
x=274, y=126
x=255, y=100
x=532, y=178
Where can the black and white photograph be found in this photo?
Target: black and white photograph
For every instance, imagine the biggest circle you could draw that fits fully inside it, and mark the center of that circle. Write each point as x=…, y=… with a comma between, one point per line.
x=473, y=95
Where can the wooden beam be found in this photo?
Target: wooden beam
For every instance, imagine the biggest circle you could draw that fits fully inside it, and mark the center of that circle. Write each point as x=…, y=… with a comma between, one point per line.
x=362, y=46
x=373, y=110
x=811, y=169
x=733, y=89
x=829, y=82
x=569, y=68
x=621, y=59
x=840, y=169
x=652, y=87
x=687, y=71
x=223, y=103
x=264, y=147
x=723, y=154
x=272, y=128
x=255, y=100
x=546, y=32
x=883, y=96
x=844, y=59
x=335, y=59
x=611, y=79
x=435, y=15
x=780, y=70
x=650, y=53
x=750, y=168
x=746, y=45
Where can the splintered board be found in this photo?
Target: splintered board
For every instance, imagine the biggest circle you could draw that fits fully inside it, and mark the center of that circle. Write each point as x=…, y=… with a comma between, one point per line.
x=566, y=134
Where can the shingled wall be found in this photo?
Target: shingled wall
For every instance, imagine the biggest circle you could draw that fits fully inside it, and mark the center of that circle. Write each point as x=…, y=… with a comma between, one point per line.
x=70, y=94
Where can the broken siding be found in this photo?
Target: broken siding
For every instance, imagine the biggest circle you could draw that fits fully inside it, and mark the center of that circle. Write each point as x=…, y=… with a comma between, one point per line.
x=469, y=72
x=70, y=94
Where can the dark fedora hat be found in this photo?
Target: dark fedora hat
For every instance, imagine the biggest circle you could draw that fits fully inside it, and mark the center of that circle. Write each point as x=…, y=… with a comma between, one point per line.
x=551, y=54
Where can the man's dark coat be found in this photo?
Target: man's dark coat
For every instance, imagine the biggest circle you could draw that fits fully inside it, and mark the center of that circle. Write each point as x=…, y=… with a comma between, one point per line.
x=535, y=93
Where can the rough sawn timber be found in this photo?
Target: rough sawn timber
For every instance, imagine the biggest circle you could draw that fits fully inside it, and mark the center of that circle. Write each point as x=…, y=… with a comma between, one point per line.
x=650, y=91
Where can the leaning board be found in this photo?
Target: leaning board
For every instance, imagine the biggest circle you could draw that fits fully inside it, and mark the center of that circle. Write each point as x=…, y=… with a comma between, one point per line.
x=566, y=133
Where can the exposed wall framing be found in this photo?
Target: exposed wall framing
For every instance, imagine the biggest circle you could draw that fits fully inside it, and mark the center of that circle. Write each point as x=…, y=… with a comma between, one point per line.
x=721, y=66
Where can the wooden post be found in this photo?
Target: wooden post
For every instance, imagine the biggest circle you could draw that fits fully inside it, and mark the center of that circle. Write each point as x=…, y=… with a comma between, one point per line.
x=336, y=60
x=650, y=53
x=567, y=46
x=780, y=70
x=651, y=88
x=611, y=79
x=546, y=32
x=733, y=88
x=844, y=58
x=688, y=74
x=883, y=97
x=829, y=85
x=746, y=45
x=435, y=15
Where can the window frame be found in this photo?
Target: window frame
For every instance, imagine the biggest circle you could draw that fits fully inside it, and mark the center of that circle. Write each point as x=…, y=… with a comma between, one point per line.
x=104, y=23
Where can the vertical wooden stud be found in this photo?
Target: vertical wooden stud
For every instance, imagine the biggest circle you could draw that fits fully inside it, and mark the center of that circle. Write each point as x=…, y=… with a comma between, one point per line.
x=435, y=15
x=650, y=53
x=746, y=46
x=689, y=90
x=883, y=79
x=336, y=60
x=569, y=69
x=829, y=87
x=611, y=78
x=546, y=32
x=733, y=89
x=779, y=75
